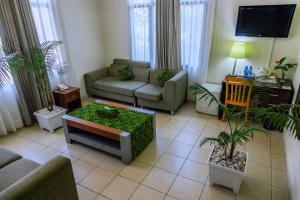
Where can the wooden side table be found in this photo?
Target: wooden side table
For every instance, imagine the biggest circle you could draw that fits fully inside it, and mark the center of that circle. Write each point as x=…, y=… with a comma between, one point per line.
x=68, y=99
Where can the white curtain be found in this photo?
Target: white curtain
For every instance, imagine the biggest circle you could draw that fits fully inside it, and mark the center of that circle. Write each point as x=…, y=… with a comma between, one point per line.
x=142, y=30
x=197, y=20
x=10, y=116
x=49, y=28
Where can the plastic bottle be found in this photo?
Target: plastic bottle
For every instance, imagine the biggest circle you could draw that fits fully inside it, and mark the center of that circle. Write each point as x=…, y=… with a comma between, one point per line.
x=246, y=71
x=250, y=71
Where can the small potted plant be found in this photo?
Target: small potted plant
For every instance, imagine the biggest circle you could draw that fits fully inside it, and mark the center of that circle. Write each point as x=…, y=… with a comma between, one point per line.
x=42, y=61
x=283, y=67
x=227, y=163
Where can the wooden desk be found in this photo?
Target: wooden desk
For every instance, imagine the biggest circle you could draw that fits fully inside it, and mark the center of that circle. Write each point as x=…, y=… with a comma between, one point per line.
x=68, y=99
x=277, y=94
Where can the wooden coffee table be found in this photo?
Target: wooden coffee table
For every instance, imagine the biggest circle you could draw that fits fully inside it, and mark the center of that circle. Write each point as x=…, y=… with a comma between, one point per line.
x=108, y=139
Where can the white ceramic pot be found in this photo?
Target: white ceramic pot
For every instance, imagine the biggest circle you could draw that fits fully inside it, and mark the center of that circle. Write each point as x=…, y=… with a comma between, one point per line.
x=225, y=176
x=50, y=120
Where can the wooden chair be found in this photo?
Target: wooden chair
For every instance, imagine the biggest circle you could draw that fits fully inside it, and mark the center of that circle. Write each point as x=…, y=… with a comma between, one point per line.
x=238, y=93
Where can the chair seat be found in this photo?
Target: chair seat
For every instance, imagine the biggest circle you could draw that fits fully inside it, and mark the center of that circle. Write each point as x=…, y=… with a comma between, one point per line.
x=115, y=85
x=150, y=92
x=7, y=157
x=15, y=171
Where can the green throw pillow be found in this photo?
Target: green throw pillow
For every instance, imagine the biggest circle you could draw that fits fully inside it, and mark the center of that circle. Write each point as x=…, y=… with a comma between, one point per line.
x=164, y=77
x=126, y=73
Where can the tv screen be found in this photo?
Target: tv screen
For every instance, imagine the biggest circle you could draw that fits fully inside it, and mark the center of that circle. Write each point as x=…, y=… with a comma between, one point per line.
x=265, y=21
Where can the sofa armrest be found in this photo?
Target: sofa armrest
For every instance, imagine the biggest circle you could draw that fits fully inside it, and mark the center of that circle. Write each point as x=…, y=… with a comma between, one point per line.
x=93, y=76
x=53, y=180
x=175, y=89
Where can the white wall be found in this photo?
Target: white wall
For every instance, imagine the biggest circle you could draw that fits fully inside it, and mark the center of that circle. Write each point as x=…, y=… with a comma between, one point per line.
x=83, y=31
x=292, y=149
x=224, y=35
x=115, y=23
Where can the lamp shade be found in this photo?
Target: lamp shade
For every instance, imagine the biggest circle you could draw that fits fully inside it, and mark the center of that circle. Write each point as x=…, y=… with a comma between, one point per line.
x=238, y=50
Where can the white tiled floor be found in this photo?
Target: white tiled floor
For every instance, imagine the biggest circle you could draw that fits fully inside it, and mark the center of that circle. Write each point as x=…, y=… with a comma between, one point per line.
x=172, y=167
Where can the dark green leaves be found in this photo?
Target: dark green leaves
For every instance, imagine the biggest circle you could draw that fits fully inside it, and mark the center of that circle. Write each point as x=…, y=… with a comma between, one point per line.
x=164, y=77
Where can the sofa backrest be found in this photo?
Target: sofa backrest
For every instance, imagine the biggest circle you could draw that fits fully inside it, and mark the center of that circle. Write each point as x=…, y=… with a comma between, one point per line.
x=154, y=74
x=141, y=70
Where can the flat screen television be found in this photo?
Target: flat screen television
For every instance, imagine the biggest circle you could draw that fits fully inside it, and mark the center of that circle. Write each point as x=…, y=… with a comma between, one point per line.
x=265, y=20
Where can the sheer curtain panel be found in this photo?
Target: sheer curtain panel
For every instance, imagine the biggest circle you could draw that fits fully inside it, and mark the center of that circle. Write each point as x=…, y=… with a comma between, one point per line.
x=47, y=22
x=10, y=116
x=142, y=26
x=197, y=17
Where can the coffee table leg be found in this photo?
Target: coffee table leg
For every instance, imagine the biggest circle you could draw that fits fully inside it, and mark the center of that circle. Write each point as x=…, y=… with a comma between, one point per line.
x=66, y=130
x=125, y=142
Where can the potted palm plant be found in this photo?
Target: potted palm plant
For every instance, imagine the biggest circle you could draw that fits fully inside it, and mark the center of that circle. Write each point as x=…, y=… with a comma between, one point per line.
x=42, y=62
x=283, y=67
x=227, y=163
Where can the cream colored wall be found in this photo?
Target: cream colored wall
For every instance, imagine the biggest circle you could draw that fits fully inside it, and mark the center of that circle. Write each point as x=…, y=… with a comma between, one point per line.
x=83, y=31
x=115, y=23
x=224, y=35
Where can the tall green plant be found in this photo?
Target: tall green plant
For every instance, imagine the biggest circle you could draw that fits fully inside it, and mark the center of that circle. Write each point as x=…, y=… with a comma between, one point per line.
x=238, y=132
x=42, y=61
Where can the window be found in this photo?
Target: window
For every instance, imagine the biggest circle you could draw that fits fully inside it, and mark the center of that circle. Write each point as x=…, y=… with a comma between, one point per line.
x=5, y=75
x=191, y=17
x=142, y=28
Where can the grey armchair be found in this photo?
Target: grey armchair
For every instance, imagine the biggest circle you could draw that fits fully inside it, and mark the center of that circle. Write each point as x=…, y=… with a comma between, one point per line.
x=169, y=97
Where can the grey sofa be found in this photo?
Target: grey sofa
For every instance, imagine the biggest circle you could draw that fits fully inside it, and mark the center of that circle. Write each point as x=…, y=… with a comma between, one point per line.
x=169, y=97
x=143, y=90
x=22, y=179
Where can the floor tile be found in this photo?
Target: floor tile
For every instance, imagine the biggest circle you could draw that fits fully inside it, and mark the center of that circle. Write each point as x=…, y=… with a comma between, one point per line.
x=211, y=193
x=31, y=150
x=185, y=189
x=100, y=197
x=187, y=138
x=44, y=155
x=145, y=193
x=211, y=132
x=254, y=190
x=195, y=171
x=85, y=194
x=168, y=133
x=259, y=157
x=170, y=163
x=120, y=189
x=60, y=145
x=76, y=150
x=278, y=161
x=136, y=171
x=259, y=173
x=160, y=143
x=169, y=198
x=279, y=194
x=113, y=164
x=277, y=148
x=14, y=142
x=98, y=179
x=179, y=149
x=279, y=179
x=159, y=179
x=175, y=124
x=199, y=155
x=207, y=146
x=81, y=169
x=149, y=156
x=94, y=157
x=193, y=128
x=50, y=139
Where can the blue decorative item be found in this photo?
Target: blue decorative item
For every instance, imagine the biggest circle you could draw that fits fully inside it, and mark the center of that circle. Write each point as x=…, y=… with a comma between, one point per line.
x=246, y=71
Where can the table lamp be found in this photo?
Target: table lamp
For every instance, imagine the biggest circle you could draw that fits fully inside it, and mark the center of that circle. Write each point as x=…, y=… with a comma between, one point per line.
x=238, y=51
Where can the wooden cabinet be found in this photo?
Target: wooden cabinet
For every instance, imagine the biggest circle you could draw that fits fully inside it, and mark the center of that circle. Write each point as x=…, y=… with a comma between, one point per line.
x=69, y=99
x=270, y=93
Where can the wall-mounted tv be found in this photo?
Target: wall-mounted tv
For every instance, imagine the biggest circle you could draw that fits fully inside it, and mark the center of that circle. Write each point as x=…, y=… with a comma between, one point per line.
x=265, y=20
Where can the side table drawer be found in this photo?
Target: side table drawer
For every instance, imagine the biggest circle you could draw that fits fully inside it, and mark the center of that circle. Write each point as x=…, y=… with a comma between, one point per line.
x=72, y=96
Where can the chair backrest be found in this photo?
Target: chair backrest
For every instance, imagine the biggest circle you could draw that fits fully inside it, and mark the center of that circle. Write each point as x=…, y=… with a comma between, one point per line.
x=238, y=90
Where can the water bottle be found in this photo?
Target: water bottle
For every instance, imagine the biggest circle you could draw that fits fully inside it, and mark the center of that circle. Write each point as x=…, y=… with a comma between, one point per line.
x=250, y=71
x=246, y=71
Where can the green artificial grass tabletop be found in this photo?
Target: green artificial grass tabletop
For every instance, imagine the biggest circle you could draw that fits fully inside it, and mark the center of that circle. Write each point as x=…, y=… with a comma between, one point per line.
x=127, y=120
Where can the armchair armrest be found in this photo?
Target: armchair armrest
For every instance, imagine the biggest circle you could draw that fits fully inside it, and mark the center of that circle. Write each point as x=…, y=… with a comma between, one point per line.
x=93, y=76
x=53, y=180
x=175, y=90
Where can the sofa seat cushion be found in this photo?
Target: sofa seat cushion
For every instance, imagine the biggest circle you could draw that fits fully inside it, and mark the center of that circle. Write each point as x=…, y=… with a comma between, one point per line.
x=115, y=85
x=15, y=171
x=150, y=92
x=7, y=157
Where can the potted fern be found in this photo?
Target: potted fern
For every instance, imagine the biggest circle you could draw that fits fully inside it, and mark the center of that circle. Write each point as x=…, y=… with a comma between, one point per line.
x=227, y=163
x=42, y=62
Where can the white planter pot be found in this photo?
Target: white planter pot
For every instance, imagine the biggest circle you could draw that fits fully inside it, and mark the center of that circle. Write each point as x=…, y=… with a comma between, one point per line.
x=225, y=176
x=50, y=120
